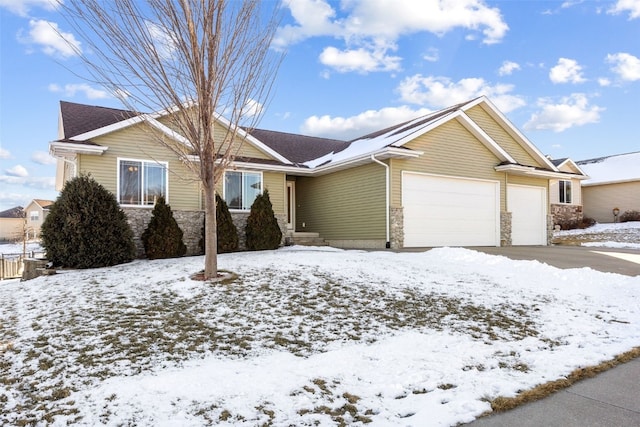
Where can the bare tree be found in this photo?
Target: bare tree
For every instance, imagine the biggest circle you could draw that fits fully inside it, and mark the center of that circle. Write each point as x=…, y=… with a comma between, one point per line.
x=201, y=60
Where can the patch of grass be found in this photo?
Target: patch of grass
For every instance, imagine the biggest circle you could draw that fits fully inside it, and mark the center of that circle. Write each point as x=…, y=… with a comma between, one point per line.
x=501, y=404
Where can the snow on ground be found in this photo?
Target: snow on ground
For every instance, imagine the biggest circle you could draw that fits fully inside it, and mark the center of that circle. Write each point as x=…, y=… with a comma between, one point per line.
x=17, y=248
x=624, y=235
x=304, y=336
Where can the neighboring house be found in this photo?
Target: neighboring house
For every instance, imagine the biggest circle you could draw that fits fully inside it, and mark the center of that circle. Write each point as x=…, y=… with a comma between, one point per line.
x=566, y=194
x=35, y=213
x=614, y=183
x=11, y=224
x=461, y=176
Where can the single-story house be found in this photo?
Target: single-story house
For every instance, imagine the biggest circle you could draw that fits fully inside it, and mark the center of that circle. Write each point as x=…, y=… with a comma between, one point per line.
x=461, y=176
x=566, y=194
x=11, y=224
x=614, y=183
x=35, y=213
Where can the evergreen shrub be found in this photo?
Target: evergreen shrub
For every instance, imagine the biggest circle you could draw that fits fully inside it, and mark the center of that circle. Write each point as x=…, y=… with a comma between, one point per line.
x=86, y=228
x=262, y=229
x=226, y=230
x=163, y=237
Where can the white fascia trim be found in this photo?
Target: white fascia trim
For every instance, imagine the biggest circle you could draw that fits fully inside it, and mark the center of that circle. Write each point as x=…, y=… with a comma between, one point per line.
x=383, y=154
x=111, y=128
x=618, y=181
x=488, y=142
x=58, y=149
x=256, y=142
x=531, y=171
x=572, y=164
x=260, y=145
x=497, y=114
x=425, y=129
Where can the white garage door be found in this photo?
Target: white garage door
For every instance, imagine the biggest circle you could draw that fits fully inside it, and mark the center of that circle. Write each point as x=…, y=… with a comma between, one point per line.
x=528, y=207
x=445, y=211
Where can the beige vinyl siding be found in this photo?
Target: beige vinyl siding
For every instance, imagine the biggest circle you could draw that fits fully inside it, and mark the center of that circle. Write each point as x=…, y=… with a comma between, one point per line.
x=137, y=143
x=599, y=200
x=348, y=204
x=242, y=148
x=501, y=136
x=449, y=150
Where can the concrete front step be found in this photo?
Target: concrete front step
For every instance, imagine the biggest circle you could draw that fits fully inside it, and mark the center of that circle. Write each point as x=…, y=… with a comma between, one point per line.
x=305, y=239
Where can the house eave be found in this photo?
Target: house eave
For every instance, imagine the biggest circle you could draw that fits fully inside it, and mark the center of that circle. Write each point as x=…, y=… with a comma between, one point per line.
x=535, y=172
x=617, y=181
x=64, y=149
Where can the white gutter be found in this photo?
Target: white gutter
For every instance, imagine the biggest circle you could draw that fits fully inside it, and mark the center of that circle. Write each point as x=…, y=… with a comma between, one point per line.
x=373, y=157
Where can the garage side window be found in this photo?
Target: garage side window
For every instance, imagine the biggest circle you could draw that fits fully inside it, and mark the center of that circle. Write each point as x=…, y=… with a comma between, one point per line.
x=141, y=182
x=241, y=189
x=565, y=192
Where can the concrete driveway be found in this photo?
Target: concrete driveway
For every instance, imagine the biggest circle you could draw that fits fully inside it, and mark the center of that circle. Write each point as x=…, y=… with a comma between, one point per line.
x=621, y=261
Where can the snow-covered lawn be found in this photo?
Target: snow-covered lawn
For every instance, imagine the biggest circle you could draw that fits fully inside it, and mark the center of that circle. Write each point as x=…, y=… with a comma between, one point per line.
x=304, y=336
x=619, y=235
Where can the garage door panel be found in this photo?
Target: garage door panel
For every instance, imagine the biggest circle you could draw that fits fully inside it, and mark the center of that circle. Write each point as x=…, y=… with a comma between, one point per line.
x=527, y=205
x=447, y=211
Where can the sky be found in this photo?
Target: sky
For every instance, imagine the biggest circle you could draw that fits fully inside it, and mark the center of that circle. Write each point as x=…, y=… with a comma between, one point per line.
x=567, y=74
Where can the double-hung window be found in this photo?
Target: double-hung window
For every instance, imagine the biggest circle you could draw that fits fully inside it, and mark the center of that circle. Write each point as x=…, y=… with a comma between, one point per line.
x=241, y=189
x=34, y=215
x=565, y=191
x=141, y=182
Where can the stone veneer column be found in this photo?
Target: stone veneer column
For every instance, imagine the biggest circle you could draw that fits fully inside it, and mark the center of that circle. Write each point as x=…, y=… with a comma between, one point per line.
x=240, y=221
x=396, y=227
x=505, y=228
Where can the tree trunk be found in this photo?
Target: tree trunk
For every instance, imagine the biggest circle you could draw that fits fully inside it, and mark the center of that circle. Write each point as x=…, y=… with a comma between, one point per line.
x=210, y=238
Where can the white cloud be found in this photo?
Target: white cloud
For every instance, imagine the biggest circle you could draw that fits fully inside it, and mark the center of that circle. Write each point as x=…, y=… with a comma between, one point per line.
x=432, y=55
x=347, y=128
x=625, y=65
x=440, y=92
x=45, y=183
x=571, y=111
x=604, y=82
x=508, y=67
x=622, y=6
x=22, y=7
x=375, y=26
x=42, y=158
x=18, y=171
x=4, y=154
x=360, y=60
x=567, y=71
x=71, y=89
x=51, y=39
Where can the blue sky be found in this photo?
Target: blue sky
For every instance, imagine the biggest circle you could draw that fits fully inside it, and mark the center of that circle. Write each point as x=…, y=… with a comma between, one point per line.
x=567, y=74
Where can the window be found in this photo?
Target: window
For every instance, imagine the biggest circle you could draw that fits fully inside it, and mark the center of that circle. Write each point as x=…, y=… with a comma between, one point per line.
x=34, y=215
x=565, y=191
x=141, y=182
x=241, y=189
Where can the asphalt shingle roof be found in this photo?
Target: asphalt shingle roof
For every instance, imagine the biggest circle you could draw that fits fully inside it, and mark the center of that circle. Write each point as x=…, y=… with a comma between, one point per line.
x=298, y=148
x=78, y=118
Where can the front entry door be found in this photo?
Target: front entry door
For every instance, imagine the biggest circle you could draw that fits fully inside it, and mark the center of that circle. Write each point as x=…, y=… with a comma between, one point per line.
x=291, y=205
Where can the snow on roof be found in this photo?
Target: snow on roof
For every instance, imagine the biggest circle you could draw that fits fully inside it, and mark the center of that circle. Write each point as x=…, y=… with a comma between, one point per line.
x=372, y=143
x=617, y=168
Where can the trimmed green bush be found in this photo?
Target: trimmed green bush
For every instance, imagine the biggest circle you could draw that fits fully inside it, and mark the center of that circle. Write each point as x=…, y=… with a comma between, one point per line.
x=86, y=228
x=227, y=232
x=163, y=237
x=630, y=216
x=262, y=230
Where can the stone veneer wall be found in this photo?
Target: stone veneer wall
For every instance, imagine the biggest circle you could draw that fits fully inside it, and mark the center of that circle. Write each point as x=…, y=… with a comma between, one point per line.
x=505, y=228
x=396, y=227
x=550, y=226
x=561, y=213
x=190, y=223
x=240, y=221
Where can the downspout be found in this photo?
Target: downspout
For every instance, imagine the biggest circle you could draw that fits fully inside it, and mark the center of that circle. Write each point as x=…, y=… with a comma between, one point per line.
x=373, y=157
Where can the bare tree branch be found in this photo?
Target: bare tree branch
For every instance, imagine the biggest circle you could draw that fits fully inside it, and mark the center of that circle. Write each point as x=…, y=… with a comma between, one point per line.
x=200, y=60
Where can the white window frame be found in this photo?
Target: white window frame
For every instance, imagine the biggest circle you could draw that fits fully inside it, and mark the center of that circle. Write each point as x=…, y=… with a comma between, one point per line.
x=562, y=191
x=245, y=208
x=34, y=216
x=143, y=164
